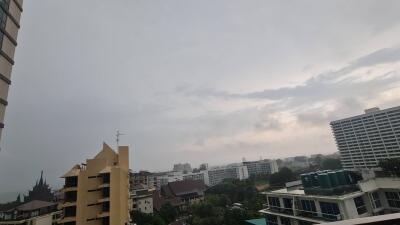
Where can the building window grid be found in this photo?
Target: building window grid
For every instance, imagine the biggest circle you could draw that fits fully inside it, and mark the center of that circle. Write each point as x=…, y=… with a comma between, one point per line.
x=376, y=202
x=393, y=199
x=360, y=205
x=330, y=210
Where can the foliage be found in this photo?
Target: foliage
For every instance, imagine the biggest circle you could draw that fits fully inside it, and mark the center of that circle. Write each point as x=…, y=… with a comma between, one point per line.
x=168, y=213
x=235, y=190
x=217, y=207
x=146, y=219
x=280, y=178
x=331, y=164
x=391, y=166
x=208, y=214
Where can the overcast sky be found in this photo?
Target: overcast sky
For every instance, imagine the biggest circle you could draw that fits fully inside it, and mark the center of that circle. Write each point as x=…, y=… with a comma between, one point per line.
x=192, y=81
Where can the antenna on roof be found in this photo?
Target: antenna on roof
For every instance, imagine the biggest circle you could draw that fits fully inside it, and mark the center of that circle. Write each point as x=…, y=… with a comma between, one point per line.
x=117, y=137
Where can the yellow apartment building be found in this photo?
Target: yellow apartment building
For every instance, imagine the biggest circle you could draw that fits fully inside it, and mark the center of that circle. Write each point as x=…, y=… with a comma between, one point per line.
x=97, y=192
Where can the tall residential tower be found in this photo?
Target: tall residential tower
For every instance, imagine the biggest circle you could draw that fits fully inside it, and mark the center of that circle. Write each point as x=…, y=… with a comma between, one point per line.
x=10, y=13
x=366, y=139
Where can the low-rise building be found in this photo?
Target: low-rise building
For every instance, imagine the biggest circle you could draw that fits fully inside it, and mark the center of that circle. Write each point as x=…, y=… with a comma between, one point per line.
x=33, y=212
x=182, y=167
x=142, y=200
x=180, y=194
x=332, y=196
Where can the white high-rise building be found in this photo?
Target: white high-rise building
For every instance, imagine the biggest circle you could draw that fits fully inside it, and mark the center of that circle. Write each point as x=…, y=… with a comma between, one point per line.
x=366, y=139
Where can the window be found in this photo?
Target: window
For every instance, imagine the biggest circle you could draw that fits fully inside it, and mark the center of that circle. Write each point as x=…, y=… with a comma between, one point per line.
x=272, y=220
x=375, y=200
x=393, y=199
x=308, y=208
x=274, y=202
x=330, y=210
x=35, y=213
x=360, y=205
x=288, y=203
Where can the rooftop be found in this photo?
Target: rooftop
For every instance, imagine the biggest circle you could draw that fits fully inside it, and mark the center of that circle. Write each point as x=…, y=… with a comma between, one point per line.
x=33, y=205
x=300, y=192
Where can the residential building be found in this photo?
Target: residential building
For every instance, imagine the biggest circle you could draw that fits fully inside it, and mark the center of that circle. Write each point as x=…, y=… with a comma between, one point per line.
x=366, y=139
x=10, y=14
x=180, y=194
x=142, y=200
x=261, y=167
x=219, y=174
x=35, y=212
x=202, y=176
x=162, y=179
x=329, y=196
x=97, y=192
x=182, y=167
x=388, y=219
x=142, y=178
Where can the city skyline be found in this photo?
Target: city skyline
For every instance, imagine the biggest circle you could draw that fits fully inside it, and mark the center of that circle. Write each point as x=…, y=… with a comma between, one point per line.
x=212, y=83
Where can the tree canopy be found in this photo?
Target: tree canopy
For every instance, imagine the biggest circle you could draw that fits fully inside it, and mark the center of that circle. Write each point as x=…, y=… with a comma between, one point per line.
x=280, y=178
x=331, y=164
x=391, y=166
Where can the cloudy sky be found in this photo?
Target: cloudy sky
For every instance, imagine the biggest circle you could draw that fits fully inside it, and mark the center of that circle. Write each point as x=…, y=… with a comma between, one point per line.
x=192, y=81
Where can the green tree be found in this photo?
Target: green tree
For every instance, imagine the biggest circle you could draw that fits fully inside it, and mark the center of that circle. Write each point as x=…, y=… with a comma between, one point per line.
x=280, y=178
x=391, y=166
x=331, y=164
x=235, y=217
x=168, y=212
x=146, y=219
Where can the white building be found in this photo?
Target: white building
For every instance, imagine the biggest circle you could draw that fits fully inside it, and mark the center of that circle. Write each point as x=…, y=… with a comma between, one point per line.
x=168, y=177
x=202, y=175
x=366, y=139
x=218, y=175
x=261, y=167
x=295, y=206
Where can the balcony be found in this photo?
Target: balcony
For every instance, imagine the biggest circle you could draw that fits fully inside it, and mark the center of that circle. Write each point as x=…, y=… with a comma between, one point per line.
x=68, y=189
x=67, y=204
x=311, y=216
x=71, y=182
x=103, y=214
x=70, y=197
x=67, y=220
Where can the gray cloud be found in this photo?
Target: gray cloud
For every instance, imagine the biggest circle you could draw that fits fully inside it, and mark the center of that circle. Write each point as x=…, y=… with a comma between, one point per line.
x=80, y=76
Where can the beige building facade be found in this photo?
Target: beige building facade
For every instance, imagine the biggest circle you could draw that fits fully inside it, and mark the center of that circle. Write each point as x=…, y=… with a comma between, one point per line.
x=97, y=192
x=10, y=14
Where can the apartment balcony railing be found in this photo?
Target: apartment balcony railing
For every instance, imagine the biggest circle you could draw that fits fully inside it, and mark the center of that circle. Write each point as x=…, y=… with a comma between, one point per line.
x=305, y=213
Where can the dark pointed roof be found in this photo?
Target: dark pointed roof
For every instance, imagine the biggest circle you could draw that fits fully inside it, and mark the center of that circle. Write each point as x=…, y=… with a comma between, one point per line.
x=41, y=191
